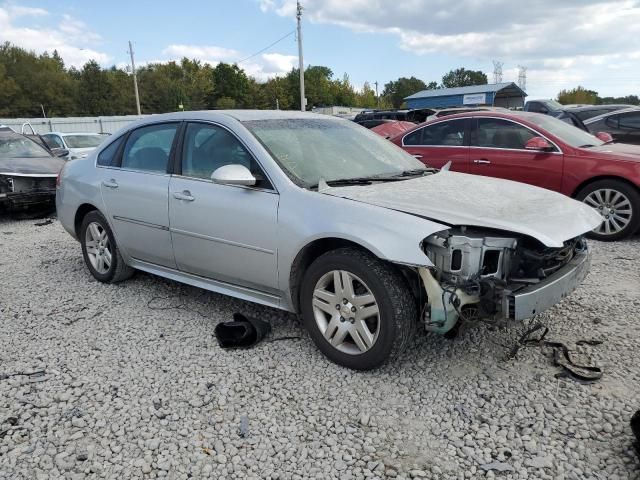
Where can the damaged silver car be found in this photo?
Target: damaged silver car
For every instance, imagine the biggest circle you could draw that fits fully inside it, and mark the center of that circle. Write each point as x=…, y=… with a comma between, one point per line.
x=315, y=215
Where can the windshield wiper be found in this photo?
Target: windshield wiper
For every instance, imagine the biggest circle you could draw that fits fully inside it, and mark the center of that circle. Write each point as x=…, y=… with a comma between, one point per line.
x=588, y=145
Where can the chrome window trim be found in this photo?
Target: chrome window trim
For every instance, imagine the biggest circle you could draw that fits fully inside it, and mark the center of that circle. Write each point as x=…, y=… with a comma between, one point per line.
x=206, y=180
x=431, y=124
x=559, y=152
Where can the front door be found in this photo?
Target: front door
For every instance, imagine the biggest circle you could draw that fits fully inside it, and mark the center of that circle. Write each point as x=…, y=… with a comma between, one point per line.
x=439, y=143
x=498, y=150
x=224, y=232
x=135, y=191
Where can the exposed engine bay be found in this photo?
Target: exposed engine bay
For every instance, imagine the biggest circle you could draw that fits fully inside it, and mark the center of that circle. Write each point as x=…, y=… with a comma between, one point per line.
x=22, y=191
x=477, y=275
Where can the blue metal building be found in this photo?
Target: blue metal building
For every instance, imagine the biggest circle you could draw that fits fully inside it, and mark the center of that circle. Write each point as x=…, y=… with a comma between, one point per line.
x=507, y=95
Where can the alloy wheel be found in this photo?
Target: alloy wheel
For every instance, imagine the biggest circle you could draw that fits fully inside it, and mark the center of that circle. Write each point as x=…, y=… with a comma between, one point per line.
x=98, y=247
x=346, y=312
x=615, y=208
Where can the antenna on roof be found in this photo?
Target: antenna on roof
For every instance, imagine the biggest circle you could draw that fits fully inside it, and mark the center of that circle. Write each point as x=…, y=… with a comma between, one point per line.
x=497, y=71
x=522, y=77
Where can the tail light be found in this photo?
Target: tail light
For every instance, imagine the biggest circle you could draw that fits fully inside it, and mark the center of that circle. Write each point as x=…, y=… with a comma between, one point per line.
x=59, y=177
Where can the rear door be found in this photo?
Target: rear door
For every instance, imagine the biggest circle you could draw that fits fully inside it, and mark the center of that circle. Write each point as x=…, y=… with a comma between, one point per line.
x=498, y=150
x=441, y=142
x=135, y=186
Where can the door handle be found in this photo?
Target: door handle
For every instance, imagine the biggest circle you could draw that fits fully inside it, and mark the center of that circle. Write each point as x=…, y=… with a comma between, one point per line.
x=417, y=155
x=482, y=160
x=110, y=183
x=184, y=195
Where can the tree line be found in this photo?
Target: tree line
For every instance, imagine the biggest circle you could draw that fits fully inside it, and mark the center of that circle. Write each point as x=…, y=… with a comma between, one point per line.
x=591, y=97
x=32, y=85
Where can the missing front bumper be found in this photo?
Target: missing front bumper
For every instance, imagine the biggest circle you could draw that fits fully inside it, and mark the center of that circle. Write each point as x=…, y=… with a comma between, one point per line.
x=531, y=300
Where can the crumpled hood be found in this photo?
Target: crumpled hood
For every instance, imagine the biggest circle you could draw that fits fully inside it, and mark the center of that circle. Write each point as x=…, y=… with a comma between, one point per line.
x=462, y=199
x=31, y=166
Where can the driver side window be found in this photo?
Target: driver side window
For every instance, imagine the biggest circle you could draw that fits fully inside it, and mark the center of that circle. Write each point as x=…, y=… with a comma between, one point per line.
x=208, y=147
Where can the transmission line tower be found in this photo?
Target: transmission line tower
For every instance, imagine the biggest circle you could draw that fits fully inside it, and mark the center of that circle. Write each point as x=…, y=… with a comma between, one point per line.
x=497, y=71
x=522, y=77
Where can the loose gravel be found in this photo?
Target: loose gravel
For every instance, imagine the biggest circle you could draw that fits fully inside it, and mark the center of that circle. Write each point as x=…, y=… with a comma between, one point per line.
x=127, y=381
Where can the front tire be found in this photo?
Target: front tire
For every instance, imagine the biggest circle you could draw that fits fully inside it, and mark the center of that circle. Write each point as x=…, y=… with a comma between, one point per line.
x=358, y=310
x=619, y=205
x=100, y=250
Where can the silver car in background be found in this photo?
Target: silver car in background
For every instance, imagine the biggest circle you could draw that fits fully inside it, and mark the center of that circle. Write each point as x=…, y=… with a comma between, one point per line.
x=318, y=216
x=79, y=144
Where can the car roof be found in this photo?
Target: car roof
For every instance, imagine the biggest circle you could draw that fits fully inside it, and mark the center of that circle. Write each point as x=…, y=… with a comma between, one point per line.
x=585, y=108
x=64, y=134
x=509, y=115
x=609, y=114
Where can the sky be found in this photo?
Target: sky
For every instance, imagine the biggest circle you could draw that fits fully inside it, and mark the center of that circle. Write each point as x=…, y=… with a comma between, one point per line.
x=563, y=44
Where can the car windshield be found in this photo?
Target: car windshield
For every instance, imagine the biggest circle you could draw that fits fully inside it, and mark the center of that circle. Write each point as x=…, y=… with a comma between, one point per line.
x=21, y=147
x=83, y=141
x=313, y=149
x=567, y=133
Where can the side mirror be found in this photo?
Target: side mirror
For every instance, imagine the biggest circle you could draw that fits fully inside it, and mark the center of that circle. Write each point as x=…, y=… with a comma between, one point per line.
x=235, y=174
x=60, y=152
x=604, y=136
x=538, y=144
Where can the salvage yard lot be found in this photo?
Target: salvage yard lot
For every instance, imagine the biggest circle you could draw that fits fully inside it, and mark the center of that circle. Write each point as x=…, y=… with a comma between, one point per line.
x=135, y=385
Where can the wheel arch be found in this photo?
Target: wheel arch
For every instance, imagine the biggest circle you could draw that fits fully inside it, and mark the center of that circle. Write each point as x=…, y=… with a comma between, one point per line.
x=308, y=254
x=604, y=177
x=81, y=212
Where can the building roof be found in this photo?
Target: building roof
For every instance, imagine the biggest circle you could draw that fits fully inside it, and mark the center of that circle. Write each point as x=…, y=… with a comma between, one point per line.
x=488, y=88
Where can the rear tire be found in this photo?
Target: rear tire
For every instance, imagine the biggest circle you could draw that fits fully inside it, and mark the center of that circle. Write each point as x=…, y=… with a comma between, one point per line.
x=100, y=250
x=362, y=340
x=619, y=205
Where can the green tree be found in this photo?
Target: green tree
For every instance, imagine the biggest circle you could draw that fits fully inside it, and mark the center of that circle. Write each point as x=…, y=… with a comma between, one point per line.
x=578, y=95
x=367, y=97
x=396, y=91
x=226, y=103
x=462, y=77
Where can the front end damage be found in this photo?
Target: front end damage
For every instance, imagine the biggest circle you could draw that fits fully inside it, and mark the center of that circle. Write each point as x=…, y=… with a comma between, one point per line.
x=480, y=276
x=19, y=192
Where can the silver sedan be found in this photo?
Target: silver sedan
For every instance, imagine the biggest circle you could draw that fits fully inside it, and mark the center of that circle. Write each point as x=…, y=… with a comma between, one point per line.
x=318, y=216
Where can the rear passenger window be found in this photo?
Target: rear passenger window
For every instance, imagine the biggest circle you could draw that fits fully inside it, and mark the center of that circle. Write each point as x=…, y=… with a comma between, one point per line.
x=107, y=157
x=148, y=148
x=414, y=138
x=450, y=133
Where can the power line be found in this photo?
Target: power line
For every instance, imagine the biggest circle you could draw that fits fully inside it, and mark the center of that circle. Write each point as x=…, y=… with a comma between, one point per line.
x=266, y=48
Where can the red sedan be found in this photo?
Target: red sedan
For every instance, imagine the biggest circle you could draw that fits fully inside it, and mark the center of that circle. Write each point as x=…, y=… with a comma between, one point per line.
x=542, y=151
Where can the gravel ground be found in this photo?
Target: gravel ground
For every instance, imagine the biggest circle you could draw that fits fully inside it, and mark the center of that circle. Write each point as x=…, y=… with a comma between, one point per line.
x=135, y=386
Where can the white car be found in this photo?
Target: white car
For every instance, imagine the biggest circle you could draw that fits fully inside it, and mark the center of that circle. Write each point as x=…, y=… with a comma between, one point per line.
x=80, y=144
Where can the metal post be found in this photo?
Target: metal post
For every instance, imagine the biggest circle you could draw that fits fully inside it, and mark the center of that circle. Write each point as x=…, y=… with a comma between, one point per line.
x=135, y=78
x=377, y=96
x=303, y=100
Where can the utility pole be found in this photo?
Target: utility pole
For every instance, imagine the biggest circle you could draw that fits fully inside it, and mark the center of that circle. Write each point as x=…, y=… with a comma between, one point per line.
x=303, y=100
x=135, y=78
x=377, y=96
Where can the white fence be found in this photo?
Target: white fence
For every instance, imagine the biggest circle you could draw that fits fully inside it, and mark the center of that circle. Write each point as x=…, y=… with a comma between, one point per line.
x=71, y=124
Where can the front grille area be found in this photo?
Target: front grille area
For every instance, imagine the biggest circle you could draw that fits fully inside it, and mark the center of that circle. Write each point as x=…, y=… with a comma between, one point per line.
x=533, y=262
